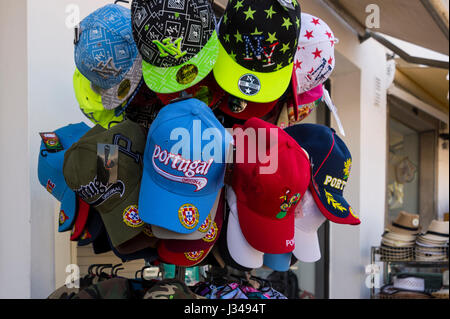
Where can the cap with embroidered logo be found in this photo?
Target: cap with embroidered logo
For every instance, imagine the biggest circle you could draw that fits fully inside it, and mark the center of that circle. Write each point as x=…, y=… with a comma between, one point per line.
x=331, y=165
x=258, y=41
x=177, y=41
x=314, y=59
x=106, y=54
x=268, y=189
x=199, y=234
x=184, y=166
x=50, y=173
x=116, y=202
x=210, y=237
x=90, y=103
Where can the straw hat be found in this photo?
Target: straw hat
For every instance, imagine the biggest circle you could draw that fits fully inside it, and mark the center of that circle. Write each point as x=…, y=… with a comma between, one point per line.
x=437, y=232
x=405, y=223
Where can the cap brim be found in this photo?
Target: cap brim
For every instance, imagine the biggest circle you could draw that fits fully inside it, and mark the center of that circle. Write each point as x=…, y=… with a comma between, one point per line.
x=340, y=213
x=117, y=95
x=81, y=220
x=278, y=262
x=307, y=248
x=181, y=259
x=181, y=246
x=138, y=243
x=239, y=248
x=267, y=235
x=200, y=233
x=164, y=212
x=273, y=85
x=115, y=225
x=164, y=80
x=67, y=213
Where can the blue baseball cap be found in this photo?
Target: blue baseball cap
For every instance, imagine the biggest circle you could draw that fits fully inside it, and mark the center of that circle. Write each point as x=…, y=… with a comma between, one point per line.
x=106, y=54
x=331, y=165
x=278, y=262
x=50, y=173
x=184, y=166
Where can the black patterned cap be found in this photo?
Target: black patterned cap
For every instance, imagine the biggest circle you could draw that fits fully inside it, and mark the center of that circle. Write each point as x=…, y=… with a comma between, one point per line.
x=261, y=36
x=171, y=32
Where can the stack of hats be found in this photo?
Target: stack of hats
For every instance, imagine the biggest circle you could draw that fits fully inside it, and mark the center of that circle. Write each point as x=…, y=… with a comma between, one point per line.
x=405, y=287
x=274, y=216
x=398, y=241
x=159, y=177
x=433, y=244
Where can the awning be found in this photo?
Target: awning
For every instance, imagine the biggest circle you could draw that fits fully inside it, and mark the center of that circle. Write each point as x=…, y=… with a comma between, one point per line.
x=421, y=22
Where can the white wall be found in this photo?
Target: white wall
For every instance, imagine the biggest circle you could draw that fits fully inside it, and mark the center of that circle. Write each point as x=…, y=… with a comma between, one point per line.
x=443, y=179
x=52, y=105
x=15, y=248
x=364, y=118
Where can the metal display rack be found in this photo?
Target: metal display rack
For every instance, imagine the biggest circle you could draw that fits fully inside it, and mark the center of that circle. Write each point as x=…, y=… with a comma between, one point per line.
x=392, y=265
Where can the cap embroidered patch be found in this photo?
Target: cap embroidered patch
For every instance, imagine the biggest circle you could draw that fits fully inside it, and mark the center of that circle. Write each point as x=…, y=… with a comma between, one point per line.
x=212, y=233
x=62, y=217
x=189, y=216
x=331, y=201
x=347, y=168
x=131, y=217
x=50, y=186
x=194, y=255
x=288, y=203
x=85, y=235
x=204, y=227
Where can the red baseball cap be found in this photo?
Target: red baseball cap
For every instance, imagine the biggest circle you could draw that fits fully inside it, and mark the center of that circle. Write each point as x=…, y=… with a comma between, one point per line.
x=186, y=259
x=80, y=220
x=266, y=200
x=182, y=246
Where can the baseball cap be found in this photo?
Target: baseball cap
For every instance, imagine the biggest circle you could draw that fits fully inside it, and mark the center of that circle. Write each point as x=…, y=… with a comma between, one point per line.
x=92, y=230
x=305, y=103
x=200, y=233
x=80, y=220
x=106, y=54
x=308, y=219
x=50, y=173
x=314, y=60
x=181, y=178
x=237, y=246
x=185, y=259
x=208, y=240
x=258, y=41
x=116, y=202
x=177, y=41
x=278, y=262
x=90, y=103
x=144, y=108
x=331, y=165
x=266, y=201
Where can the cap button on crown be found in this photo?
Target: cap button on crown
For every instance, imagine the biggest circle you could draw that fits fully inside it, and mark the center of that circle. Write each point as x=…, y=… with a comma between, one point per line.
x=195, y=111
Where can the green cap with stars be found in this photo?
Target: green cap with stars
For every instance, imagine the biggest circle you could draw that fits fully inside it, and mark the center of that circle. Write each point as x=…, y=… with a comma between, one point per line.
x=258, y=42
